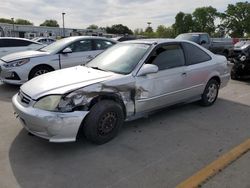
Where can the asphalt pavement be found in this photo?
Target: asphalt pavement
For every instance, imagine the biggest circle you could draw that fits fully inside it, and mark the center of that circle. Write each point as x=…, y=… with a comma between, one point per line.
x=159, y=151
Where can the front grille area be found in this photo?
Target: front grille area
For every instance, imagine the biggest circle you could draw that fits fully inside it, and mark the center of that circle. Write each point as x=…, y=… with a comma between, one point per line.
x=25, y=99
x=13, y=76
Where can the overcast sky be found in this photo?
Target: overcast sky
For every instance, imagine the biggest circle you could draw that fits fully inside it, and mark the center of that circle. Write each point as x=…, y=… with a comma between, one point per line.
x=82, y=13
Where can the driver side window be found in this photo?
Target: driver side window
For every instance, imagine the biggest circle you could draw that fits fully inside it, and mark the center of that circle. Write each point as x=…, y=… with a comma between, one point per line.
x=168, y=56
x=81, y=46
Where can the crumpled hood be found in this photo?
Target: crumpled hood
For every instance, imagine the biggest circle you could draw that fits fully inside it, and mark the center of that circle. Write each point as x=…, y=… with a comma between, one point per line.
x=63, y=81
x=23, y=55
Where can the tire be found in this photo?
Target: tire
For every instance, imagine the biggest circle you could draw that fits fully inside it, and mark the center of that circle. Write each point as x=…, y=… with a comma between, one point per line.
x=103, y=122
x=39, y=70
x=234, y=74
x=210, y=93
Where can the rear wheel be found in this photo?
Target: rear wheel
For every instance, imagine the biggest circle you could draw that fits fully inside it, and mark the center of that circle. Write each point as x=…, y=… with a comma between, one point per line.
x=234, y=76
x=103, y=122
x=39, y=70
x=210, y=93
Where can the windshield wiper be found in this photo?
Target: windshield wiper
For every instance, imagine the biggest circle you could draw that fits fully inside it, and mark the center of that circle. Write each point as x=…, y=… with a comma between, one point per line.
x=97, y=68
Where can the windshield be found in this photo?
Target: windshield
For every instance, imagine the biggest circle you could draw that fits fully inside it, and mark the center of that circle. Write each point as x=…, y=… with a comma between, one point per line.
x=56, y=46
x=121, y=58
x=189, y=37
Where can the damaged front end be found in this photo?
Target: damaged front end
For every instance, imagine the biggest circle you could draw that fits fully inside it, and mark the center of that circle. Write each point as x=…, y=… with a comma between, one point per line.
x=123, y=91
x=83, y=99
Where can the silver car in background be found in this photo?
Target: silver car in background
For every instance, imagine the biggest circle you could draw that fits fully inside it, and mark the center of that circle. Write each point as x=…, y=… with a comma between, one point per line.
x=44, y=40
x=125, y=82
x=18, y=68
x=10, y=45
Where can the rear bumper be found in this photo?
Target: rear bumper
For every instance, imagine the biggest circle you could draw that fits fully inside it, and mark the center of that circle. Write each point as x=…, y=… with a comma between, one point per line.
x=53, y=126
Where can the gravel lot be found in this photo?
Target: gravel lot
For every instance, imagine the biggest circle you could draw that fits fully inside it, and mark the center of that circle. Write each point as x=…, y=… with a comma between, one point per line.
x=159, y=151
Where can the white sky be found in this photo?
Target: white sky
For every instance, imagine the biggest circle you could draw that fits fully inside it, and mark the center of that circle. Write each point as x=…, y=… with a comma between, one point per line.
x=82, y=13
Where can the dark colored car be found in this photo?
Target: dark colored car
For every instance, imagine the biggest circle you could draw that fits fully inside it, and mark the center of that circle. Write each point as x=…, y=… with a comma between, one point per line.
x=241, y=60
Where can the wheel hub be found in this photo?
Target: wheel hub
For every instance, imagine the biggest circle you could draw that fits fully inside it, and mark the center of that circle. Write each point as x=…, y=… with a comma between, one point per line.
x=40, y=72
x=107, y=123
x=212, y=92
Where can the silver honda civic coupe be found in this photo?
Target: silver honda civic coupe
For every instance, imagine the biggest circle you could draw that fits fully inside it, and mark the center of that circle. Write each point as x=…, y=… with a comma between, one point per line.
x=125, y=82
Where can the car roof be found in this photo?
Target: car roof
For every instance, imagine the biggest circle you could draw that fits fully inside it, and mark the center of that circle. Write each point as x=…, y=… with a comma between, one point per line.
x=17, y=38
x=73, y=38
x=155, y=41
x=194, y=33
x=38, y=38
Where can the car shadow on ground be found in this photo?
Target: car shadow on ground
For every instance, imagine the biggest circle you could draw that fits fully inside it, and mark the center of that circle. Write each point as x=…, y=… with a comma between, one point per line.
x=7, y=91
x=152, y=149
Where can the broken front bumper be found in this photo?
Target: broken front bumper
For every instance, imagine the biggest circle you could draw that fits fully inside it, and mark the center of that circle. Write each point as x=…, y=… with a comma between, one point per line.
x=53, y=126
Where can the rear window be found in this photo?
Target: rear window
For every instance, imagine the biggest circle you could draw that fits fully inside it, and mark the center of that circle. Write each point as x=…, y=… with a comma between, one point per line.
x=102, y=44
x=14, y=43
x=194, y=54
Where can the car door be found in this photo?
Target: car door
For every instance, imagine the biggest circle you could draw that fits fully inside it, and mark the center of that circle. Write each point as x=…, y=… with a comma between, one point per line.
x=82, y=52
x=165, y=87
x=197, y=69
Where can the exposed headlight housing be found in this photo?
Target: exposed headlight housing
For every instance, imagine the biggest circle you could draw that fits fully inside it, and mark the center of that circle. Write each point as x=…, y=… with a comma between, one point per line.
x=17, y=63
x=61, y=103
x=49, y=103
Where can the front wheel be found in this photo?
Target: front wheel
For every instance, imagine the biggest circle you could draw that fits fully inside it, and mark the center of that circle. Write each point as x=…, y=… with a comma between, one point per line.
x=210, y=93
x=103, y=122
x=37, y=71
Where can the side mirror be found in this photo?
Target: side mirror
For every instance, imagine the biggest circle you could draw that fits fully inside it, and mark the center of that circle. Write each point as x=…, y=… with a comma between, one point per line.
x=67, y=50
x=203, y=42
x=147, y=69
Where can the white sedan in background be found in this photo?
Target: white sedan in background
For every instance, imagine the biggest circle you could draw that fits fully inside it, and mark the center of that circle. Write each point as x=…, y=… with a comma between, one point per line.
x=18, y=68
x=10, y=45
x=44, y=40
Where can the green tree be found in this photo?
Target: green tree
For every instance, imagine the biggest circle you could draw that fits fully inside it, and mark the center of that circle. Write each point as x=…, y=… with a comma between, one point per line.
x=236, y=19
x=149, y=32
x=138, y=31
x=92, y=26
x=23, y=22
x=149, y=29
x=204, y=19
x=50, y=23
x=165, y=32
x=4, y=20
x=119, y=29
x=183, y=23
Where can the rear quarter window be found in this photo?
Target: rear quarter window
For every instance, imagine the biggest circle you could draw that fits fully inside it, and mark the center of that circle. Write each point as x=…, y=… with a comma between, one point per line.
x=102, y=44
x=15, y=43
x=194, y=54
